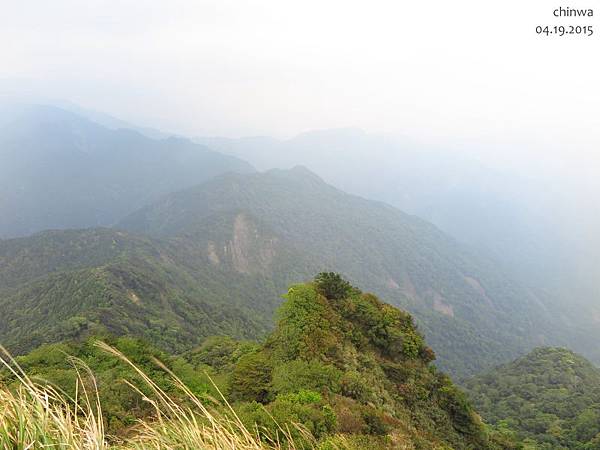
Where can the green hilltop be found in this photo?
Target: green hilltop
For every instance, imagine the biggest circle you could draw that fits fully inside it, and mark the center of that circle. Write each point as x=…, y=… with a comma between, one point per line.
x=549, y=398
x=351, y=370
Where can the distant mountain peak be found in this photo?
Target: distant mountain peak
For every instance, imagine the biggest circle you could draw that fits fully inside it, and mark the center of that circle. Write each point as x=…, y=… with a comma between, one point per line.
x=298, y=171
x=61, y=170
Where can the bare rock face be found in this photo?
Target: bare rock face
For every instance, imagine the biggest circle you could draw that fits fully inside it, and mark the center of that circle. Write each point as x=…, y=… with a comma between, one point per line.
x=249, y=250
x=440, y=306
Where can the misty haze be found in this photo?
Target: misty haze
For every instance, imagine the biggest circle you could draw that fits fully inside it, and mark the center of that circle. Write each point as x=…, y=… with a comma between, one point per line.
x=299, y=225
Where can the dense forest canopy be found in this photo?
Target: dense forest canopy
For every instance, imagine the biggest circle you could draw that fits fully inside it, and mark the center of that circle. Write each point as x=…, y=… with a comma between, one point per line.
x=550, y=398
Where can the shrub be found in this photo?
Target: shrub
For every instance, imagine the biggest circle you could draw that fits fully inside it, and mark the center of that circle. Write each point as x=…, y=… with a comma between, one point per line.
x=356, y=386
x=298, y=374
x=332, y=286
x=251, y=378
x=374, y=421
x=293, y=415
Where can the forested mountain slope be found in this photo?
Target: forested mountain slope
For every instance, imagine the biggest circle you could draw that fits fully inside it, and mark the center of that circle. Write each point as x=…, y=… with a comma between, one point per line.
x=550, y=398
x=214, y=258
x=448, y=185
x=539, y=222
x=472, y=314
x=65, y=284
x=59, y=170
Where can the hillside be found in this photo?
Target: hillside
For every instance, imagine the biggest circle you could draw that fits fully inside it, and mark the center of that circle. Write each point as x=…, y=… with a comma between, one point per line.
x=494, y=210
x=341, y=362
x=351, y=370
x=213, y=259
x=550, y=398
x=540, y=225
x=64, y=284
x=473, y=315
x=60, y=170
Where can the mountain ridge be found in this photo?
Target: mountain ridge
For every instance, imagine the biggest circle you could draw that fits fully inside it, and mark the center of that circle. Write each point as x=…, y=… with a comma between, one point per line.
x=402, y=258
x=60, y=170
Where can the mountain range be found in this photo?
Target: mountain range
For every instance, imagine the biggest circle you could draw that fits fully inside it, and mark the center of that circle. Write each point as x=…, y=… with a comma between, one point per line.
x=538, y=224
x=214, y=259
x=169, y=249
x=203, y=244
x=61, y=170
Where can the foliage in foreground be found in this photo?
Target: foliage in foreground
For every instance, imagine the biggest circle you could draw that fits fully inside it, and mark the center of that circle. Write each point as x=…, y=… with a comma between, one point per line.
x=342, y=370
x=39, y=416
x=122, y=406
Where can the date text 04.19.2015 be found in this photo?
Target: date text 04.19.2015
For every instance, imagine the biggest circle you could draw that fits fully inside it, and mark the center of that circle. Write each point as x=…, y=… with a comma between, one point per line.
x=564, y=30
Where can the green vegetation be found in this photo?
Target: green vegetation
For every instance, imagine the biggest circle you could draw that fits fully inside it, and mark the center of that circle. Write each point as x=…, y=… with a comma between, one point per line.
x=350, y=369
x=72, y=284
x=549, y=398
x=343, y=372
x=35, y=416
x=305, y=226
x=121, y=405
x=213, y=260
x=183, y=290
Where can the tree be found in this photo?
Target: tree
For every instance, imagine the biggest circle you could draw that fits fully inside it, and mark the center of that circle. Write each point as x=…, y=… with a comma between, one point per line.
x=251, y=378
x=332, y=285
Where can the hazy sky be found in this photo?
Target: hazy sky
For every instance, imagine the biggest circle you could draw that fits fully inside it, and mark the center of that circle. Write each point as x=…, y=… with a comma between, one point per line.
x=462, y=71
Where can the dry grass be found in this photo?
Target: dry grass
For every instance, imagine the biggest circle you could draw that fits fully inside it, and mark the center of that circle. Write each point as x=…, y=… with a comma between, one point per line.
x=36, y=416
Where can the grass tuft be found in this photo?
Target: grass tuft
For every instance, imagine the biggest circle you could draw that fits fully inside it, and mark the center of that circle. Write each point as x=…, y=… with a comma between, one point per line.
x=39, y=416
